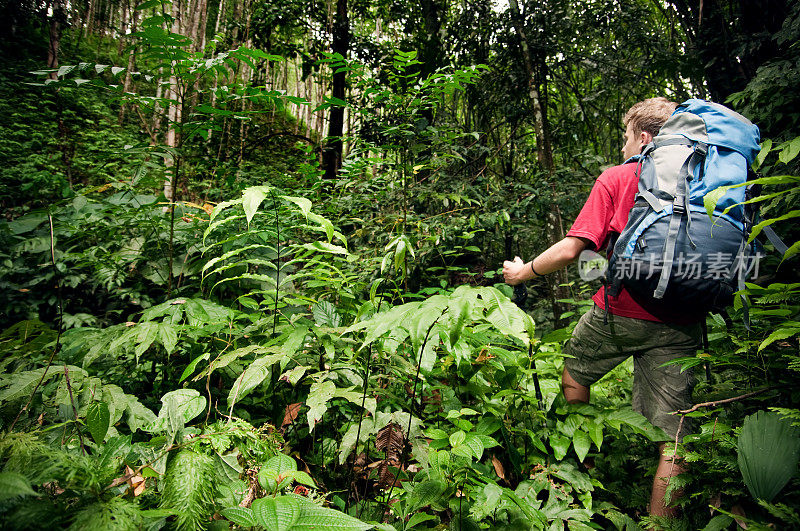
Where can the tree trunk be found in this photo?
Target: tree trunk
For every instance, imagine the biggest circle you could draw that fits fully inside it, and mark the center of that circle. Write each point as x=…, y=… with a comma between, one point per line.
x=127, y=84
x=202, y=7
x=246, y=76
x=174, y=114
x=55, y=36
x=125, y=17
x=332, y=155
x=89, y=17
x=544, y=152
x=220, y=14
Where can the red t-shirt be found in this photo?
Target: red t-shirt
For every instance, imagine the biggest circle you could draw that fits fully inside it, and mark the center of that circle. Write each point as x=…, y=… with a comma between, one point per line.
x=606, y=211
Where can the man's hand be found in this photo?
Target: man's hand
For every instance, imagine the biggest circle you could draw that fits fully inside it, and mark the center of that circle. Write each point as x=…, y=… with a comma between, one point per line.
x=557, y=256
x=515, y=272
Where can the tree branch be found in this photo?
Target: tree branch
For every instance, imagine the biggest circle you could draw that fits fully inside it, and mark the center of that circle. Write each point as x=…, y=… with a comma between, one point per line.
x=716, y=403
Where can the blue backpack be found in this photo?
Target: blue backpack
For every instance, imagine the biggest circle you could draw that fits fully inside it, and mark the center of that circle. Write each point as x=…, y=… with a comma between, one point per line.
x=671, y=254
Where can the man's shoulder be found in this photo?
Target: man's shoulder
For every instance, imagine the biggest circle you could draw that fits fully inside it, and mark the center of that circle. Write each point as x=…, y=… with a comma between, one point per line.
x=620, y=171
x=619, y=178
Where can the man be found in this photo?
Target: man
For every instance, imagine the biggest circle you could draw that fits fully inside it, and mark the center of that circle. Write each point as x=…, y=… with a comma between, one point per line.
x=651, y=336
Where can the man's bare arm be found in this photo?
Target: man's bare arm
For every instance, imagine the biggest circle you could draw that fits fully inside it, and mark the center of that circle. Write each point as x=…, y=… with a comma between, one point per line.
x=557, y=256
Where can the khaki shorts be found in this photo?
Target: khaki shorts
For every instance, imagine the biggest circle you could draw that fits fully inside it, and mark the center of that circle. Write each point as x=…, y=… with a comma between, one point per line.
x=598, y=348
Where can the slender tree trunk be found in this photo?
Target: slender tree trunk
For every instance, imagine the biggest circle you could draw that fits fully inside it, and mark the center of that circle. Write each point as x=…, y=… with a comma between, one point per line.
x=220, y=14
x=158, y=113
x=55, y=37
x=174, y=112
x=192, y=22
x=332, y=158
x=544, y=153
x=128, y=83
x=246, y=76
x=125, y=17
x=202, y=7
x=90, y=15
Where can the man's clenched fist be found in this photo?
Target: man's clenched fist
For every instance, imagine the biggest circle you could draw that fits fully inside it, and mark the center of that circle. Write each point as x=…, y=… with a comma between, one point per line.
x=515, y=272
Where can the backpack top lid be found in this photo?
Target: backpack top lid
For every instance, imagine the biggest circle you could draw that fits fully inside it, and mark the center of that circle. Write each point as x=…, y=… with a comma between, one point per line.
x=723, y=127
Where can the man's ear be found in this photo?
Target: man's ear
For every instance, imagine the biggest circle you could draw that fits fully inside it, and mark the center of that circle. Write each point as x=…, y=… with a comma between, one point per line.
x=645, y=138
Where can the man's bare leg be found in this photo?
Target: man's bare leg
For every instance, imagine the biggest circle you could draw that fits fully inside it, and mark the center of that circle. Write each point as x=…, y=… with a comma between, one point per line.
x=666, y=470
x=574, y=392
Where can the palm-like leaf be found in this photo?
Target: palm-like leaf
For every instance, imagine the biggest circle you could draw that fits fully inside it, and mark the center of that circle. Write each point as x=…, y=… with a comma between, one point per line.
x=769, y=448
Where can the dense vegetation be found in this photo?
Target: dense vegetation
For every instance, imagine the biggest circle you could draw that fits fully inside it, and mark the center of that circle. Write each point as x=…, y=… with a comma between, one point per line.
x=249, y=265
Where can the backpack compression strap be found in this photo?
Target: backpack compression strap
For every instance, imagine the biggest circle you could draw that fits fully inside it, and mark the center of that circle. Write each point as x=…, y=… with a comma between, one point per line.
x=680, y=207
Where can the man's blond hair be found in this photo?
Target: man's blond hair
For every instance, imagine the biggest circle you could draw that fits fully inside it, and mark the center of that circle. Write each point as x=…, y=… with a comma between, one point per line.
x=649, y=115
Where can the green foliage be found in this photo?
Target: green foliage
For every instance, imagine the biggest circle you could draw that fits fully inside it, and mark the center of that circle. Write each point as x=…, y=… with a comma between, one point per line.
x=13, y=484
x=117, y=514
x=351, y=320
x=292, y=513
x=189, y=489
x=769, y=450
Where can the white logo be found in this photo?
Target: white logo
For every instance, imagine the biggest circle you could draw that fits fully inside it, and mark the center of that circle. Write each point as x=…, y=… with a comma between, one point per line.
x=591, y=265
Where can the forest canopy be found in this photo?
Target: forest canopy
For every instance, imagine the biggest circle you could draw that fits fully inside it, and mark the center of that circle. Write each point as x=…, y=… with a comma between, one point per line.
x=250, y=260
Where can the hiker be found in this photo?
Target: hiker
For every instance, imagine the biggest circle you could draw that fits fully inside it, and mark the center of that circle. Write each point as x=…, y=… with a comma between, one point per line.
x=603, y=339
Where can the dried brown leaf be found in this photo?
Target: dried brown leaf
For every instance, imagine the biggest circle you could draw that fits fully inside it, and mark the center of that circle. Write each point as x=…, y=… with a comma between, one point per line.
x=391, y=440
x=738, y=511
x=292, y=410
x=715, y=502
x=498, y=468
x=136, y=482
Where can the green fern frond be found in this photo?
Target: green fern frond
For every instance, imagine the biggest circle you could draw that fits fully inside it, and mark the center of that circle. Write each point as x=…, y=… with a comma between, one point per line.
x=116, y=514
x=33, y=513
x=189, y=489
x=26, y=454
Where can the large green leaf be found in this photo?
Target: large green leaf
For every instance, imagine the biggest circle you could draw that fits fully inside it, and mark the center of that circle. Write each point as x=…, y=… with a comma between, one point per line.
x=240, y=516
x=252, y=376
x=786, y=330
x=506, y=316
x=458, y=312
x=22, y=384
x=349, y=439
x=560, y=445
x=487, y=501
x=756, y=230
x=572, y=476
x=98, y=419
x=178, y=408
x=274, y=470
x=147, y=333
x=381, y=323
x=325, y=314
x=302, y=202
x=718, y=523
x=139, y=417
x=323, y=224
x=423, y=319
x=225, y=359
x=251, y=200
x=637, y=422
x=277, y=514
x=168, y=336
x=317, y=401
x=581, y=443
x=769, y=449
x=315, y=518
x=357, y=398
